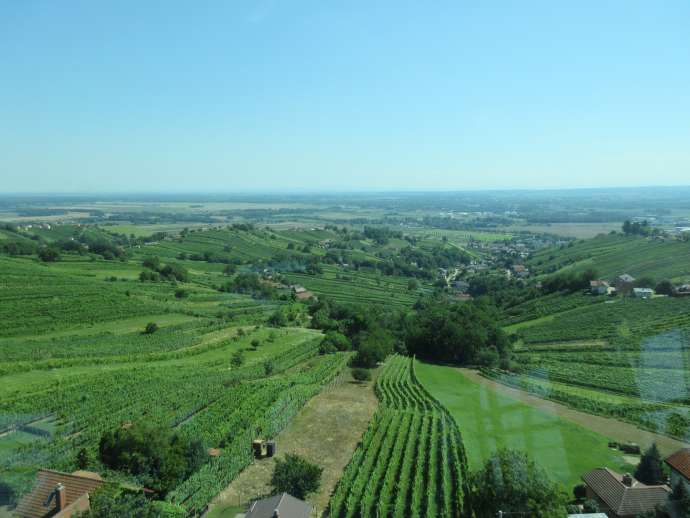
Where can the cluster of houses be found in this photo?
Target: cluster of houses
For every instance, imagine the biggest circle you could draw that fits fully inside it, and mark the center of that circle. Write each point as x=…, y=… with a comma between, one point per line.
x=621, y=496
x=625, y=286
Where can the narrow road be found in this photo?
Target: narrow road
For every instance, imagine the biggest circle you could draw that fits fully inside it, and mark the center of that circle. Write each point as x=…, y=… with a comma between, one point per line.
x=619, y=431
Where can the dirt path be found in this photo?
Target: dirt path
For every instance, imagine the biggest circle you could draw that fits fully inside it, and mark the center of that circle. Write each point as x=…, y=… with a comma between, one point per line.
x=326, y=432
x=617, y=430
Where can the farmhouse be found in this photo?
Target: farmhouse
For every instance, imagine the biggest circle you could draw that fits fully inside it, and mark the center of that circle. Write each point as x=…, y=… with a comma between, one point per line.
x=643, y=293
x=679, y=462
x=302, y=293
x=624, y=284
x=283, y=506
x=598, y=287
x=621, y=496
x=59, y=495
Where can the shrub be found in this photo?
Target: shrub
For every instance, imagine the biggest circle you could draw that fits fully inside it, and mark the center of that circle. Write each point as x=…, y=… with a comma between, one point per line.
x=151, y=328
x=49, y=254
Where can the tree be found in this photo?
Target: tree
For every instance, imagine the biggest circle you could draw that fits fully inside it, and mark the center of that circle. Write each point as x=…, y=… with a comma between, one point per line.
x=336, y=341
x=455, y=333
x=277, y=319
x=49, y=254
x=296, y=476
x=650, y=469
x=83, y=459
x=360, y=374
x=159, y=459
x=374, y=347
x=151, y=328
x=152, y=262
x=255, y=343
x=237, y=359
x=412, y=285
x=229, y=269
x=680, y=500
x=664, y=288
x=580, y=492
x=513, y=483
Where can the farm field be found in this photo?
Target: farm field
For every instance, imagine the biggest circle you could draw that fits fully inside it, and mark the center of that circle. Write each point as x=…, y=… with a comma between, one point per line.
x=490, y=420
x=411, y=461
x=574, y=230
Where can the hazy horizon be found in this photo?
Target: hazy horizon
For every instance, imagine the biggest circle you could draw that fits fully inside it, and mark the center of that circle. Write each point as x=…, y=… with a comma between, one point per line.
x=126, y=97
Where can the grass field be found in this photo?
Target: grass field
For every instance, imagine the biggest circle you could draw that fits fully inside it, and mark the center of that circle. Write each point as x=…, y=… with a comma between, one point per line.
x=489, y=420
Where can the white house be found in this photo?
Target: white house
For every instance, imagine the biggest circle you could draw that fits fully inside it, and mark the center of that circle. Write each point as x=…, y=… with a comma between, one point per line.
x=643, y=293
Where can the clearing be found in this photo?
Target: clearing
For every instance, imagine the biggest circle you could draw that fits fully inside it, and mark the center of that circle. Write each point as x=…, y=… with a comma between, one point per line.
x=326, y=432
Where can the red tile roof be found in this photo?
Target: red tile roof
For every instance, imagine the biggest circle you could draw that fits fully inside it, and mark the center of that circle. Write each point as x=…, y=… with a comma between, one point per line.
x=680, y=461
x=76, y=485
x=621, y=499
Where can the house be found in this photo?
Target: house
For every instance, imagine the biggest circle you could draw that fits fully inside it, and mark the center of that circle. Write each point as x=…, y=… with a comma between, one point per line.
x=682, y=291
x=520, y=270
x=679, y=462
x=643, y=293
x=598, y=287
x=59, y=495
x=624, y=284
x=282, y=506
x=621, y=496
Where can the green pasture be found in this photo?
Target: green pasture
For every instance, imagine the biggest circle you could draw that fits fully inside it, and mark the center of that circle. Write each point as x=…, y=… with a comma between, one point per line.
x=489, y=420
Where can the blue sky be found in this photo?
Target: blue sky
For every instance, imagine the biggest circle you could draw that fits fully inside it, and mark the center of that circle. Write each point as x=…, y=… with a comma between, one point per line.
x=291, y=95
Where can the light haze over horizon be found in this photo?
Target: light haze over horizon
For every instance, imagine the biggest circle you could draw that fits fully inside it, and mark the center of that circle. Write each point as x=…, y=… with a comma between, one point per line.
x=200, y=96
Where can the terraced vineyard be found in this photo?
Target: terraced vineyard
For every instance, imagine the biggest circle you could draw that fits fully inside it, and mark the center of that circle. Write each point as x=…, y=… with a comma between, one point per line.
x=357, y=287
x=411, y=461
x=617, y=320
x=613, y=255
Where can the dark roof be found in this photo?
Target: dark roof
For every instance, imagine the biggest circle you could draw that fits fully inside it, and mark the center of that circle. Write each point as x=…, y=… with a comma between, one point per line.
x=680, y=461
x=76, y=485
x=625, y=500
x=286, y=505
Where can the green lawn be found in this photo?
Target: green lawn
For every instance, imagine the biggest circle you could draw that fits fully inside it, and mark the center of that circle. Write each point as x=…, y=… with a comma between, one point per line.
x=489, y=420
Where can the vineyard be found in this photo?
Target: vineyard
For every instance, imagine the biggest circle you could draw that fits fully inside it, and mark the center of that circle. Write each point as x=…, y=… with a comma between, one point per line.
x=617, y=320
x=613, y=255
x=411, y=461
x=202, y=398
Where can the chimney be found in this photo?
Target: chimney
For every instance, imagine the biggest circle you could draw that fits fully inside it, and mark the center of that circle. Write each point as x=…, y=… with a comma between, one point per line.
x=276, y=514
x=60, y=496
x=627, y=480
